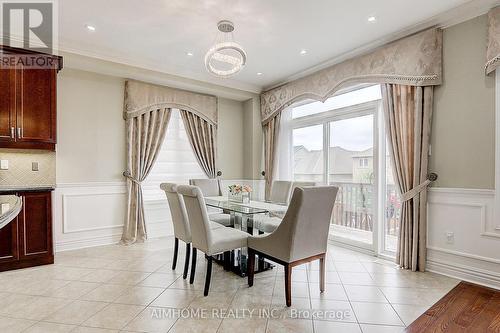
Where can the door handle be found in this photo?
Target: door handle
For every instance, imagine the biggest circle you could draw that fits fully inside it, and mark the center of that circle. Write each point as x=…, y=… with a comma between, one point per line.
x=12, y=132
x=19, y=133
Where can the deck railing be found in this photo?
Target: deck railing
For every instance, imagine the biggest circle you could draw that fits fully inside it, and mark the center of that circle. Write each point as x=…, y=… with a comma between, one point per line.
x=354, y=207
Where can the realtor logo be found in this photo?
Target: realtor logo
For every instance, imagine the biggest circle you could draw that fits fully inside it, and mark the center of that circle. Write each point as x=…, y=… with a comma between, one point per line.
x=29, y=25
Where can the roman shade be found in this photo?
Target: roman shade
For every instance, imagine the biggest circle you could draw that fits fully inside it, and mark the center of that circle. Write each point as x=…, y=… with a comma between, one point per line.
x=415, y=60
x=141, y=97
x=493, y=50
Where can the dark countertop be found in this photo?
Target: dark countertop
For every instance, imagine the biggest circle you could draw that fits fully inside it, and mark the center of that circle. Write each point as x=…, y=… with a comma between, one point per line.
x=14, y=189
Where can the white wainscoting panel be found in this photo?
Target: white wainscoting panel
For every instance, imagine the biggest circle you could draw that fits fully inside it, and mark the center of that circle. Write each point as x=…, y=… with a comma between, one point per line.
x=474, y=252
x=93, y=214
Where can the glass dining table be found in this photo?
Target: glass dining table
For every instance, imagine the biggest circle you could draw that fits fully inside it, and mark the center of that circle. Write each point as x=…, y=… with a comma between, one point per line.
x=242, y=216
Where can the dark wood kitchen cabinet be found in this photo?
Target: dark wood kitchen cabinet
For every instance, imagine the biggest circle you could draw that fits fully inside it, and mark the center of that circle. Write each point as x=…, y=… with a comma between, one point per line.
x=28, y=103
x=9, y=244
x=27, y=240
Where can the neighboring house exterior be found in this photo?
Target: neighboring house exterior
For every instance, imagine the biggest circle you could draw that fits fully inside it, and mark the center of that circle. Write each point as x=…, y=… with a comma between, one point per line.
x=345, y=165
x=362, y=166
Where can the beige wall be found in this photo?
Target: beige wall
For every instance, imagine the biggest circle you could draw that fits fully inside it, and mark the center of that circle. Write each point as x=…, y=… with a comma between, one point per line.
x=91, y=130
x=463, y=133
x=463, y=128
x=252, y=137
x=230, y=139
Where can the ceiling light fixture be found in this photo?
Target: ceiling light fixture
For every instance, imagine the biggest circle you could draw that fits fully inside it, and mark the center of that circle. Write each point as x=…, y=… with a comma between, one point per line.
x=303, y=52
x=90, y=27
x=372, y=19
x=189, y=54
x=259, y=73
x=226, y=57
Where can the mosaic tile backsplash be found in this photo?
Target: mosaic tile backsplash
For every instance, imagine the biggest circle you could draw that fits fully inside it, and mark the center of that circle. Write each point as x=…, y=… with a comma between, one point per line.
x=20, y=172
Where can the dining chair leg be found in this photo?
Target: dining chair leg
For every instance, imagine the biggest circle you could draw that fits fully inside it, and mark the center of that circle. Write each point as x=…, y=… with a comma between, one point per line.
x=288, y=284
x=322, y=274
x=176, y=250
x=193, y=266
x=250, y=267
x=208, y=276
x=227, y=260
x=186, y=261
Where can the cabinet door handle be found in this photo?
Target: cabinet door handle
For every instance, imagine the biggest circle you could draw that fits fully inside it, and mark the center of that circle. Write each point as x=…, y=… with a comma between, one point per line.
x=12, y=132
x=19, y=133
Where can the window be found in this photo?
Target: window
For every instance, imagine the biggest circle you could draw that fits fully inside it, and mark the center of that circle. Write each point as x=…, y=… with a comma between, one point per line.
x=337, y=142
x=337, y=102
x=363, y=162
x=308, y=153
x=176, y=161
x=351, y=146
x=392, y=208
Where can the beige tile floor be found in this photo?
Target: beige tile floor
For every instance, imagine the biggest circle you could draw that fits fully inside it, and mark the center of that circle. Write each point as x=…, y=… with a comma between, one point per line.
x=133, y=289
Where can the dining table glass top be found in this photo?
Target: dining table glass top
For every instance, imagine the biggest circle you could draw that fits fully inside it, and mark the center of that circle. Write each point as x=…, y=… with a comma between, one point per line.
x=249, y=208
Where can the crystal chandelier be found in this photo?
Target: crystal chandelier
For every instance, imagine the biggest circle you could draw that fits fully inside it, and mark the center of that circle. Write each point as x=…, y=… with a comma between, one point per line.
x=226, y=57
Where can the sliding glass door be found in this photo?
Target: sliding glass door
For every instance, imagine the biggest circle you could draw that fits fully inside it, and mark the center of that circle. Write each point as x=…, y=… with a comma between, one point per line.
x=352, y=162
x=342, y=142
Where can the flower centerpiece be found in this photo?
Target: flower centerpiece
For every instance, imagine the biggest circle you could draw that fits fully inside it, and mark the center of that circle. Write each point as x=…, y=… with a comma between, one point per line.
x=239, y=193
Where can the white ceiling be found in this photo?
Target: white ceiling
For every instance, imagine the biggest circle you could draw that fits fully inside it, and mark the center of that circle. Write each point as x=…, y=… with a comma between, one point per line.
x=157, y=34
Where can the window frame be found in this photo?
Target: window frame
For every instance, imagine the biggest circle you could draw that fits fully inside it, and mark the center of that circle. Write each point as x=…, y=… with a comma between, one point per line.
x=327, y=117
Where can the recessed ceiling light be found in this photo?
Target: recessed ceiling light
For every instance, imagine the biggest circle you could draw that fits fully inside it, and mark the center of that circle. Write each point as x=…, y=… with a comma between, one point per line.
x=259, y=73
x=189, y=54
x=372, y=19
x=90, y=27
x=302, y=52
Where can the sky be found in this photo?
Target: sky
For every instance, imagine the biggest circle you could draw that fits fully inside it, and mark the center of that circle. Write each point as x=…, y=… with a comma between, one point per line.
x=351, y=134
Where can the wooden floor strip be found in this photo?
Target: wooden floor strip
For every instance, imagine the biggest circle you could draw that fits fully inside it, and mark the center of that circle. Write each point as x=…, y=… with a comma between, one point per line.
x=466, y=308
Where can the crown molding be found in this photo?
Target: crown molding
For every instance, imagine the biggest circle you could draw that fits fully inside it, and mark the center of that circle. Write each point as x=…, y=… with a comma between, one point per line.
x=139, y=70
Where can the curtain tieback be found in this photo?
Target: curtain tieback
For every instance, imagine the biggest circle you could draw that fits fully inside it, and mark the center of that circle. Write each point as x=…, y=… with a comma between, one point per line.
x=419, y=188
x=132, y=179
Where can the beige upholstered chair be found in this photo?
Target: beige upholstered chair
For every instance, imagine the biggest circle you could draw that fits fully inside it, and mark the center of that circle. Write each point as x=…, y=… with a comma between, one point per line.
x=209, y=187
x=210, y=241
x=299, y=184
x=212, y=188
x=267, y=224
x=280, y=191
x=182, y=230
x=301, y=237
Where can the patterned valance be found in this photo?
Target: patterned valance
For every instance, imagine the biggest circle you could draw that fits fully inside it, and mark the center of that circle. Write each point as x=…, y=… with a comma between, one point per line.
x=415, y=60
x=141, y=97
x=493, y=50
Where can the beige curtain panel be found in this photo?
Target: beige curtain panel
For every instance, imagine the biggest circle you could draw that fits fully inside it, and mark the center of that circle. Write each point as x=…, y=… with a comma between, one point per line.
x=493, y=50
x=145, y=135
x=408, y=114
x=147, y=109
x=203, y=139
x=141, y=97
x=415, y=60
x=270, y=130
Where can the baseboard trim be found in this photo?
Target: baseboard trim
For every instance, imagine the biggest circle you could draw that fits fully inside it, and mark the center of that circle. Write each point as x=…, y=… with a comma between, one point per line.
x=463, y=266
x=87, y=242
x=477, y=276
x=351, y=247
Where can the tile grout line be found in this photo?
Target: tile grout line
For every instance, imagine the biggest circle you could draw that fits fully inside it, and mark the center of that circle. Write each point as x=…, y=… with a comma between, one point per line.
x=349, y=300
